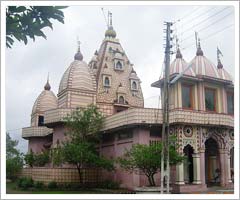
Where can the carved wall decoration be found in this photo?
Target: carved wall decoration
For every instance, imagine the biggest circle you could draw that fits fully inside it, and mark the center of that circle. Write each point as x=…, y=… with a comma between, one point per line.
x=188, y=131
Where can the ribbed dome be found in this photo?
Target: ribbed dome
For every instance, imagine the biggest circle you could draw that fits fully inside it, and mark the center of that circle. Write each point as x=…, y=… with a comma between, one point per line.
x=204, y=67
x=78, y=76
x=179, y=65
x=45, y=101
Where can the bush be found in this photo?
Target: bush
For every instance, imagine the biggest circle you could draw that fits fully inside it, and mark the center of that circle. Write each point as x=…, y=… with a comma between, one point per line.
x=108, y=184
x=52, y=185
x=25, y=183
x=38, y=185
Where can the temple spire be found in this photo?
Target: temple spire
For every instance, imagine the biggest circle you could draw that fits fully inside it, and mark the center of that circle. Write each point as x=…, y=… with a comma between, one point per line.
x=78, y=55
x=199, y=50
x=178, y=52
x=219, y=65
x=47, y=85
x=110, y=32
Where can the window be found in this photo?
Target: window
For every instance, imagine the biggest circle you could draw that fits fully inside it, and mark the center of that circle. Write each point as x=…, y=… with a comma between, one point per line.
x=106, y=81
x=230, y=103
x=186, y=96
x=134, y=85
x=121, y=100
x=40, y=120
x=125, y=135
x=210, y=99
x=119, y=65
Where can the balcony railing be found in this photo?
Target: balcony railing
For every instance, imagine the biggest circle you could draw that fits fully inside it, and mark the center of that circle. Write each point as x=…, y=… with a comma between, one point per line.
x=56, y=115
x=136, y=116
x=36, y=131
x=154, y=116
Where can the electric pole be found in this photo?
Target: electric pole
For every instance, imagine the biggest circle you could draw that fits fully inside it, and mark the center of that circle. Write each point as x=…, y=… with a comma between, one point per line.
x=165, y=169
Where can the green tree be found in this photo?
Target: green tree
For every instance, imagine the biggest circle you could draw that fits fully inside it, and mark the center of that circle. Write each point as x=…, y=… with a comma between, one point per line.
x=14, y=159
x=30, y=158
x=83, y=155
x=146, y=159
x=24, y=22
x=83, y=126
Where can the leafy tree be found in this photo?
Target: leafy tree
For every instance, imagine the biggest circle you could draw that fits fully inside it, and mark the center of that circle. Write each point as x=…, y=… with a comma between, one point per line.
x=147, y=159
x=83, y=126
x=28, y=22
x=14, y=159
x=83, y=155
x=29, y=158
x=41, y=159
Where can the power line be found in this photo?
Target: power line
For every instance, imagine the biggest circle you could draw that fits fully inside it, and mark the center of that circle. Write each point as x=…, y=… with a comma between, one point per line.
x=192, y=20
x=189, y=13
x=207, y=26
x=205, y=19
x=208, y=36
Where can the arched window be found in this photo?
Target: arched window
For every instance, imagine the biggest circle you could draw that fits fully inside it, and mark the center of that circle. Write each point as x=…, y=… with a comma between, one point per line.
x=106, y=81
x=119, y=65
x=121, y=100
x=134, y=85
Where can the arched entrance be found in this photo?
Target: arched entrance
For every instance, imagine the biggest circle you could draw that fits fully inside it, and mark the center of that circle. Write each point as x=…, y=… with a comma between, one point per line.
x=212, y=164
x=188, y=164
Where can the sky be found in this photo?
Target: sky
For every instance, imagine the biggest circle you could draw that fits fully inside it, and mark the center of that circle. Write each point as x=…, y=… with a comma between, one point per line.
x=140, y=31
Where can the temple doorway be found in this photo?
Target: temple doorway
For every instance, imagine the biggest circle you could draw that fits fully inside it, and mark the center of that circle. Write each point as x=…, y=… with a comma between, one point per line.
x=212, y=164
x=188, y=164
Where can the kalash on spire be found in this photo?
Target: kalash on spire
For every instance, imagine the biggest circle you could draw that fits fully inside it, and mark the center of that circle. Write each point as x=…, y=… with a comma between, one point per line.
x=110, y=32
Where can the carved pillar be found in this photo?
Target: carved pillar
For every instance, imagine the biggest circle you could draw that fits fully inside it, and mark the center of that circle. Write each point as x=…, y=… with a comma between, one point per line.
x=202, y=164
x=196, y=169
x=229, y=169
x=179, y=174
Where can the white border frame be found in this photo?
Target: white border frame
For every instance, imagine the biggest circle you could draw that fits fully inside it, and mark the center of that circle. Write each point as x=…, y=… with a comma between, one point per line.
x=4, y=4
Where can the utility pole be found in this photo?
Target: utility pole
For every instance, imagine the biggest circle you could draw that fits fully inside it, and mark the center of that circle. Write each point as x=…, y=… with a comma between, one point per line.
x=165, y=169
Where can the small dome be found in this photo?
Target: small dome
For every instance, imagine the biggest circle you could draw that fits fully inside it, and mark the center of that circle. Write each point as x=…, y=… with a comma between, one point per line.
x=45, y=101
x=78, y=55
x=110, y=32
x=78, y=76
x=47, y=86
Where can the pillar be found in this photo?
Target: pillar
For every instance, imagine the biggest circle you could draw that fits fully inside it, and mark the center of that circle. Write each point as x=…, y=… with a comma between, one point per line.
x=213, y=167
x=202, y=165
x=196, y=169
x=229, y=169
x=224, y=172
x=179, y=174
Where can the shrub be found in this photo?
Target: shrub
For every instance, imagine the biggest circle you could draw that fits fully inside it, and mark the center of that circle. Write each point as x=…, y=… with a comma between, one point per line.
x=108, y=184
x=25, y=183
x=52, y=185
x=41, y=159
x=38, y=185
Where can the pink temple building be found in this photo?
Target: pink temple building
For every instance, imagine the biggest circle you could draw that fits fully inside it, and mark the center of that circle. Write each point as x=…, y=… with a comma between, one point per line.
x=201, y=113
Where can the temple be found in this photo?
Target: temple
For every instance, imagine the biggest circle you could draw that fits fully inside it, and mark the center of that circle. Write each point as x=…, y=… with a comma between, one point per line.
x=201, y=113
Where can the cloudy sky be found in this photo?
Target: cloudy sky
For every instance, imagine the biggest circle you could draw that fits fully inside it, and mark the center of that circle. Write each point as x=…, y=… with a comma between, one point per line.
x=140, y=30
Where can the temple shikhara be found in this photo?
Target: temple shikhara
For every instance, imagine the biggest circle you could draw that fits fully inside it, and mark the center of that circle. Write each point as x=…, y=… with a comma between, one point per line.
x=201, y=114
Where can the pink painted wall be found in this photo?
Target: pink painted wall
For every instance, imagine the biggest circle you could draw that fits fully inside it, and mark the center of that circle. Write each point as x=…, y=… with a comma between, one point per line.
x=36, y=144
